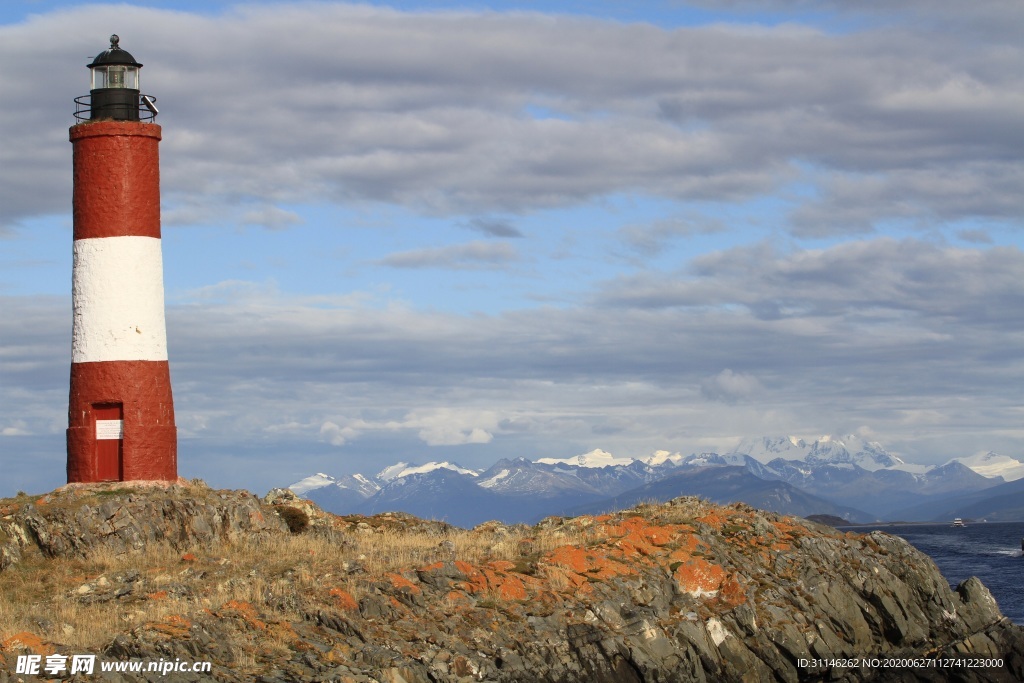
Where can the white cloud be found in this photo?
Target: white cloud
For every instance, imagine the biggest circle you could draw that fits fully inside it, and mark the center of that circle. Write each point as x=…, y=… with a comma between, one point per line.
x=450, y=427
x=730, y=386
x=337, y=435
x=17, y=428
x=431, y=110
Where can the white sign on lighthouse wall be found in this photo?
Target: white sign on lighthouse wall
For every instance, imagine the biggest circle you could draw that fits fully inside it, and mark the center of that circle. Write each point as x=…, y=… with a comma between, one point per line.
x=109, y=430
x=118, y=293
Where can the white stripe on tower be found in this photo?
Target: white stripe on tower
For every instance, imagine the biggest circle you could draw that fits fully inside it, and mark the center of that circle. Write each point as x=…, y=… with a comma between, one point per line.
x=118, y=299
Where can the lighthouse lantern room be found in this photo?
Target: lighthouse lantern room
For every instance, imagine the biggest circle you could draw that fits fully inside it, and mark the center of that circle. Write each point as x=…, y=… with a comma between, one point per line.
x=120, y=410
x=114, y=92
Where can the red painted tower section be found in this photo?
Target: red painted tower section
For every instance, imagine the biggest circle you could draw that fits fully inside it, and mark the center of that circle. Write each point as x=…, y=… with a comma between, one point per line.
x=120, y=410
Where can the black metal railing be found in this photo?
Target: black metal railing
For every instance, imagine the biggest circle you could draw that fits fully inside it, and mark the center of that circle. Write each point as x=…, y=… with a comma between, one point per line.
x=83, y=110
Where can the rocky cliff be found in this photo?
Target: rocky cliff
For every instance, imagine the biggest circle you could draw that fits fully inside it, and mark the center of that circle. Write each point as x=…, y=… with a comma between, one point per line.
x=276, y=590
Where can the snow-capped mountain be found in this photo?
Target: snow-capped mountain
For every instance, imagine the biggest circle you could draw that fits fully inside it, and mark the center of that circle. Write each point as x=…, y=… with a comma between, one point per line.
x=595, y=458
x=753, y=466
x=990, y=464
x=355, y=482
x=665, y=459
x=333, y=493
x=859, y=473
x=846, y=471
x=404, y=469
x=847, y=450
x=318, y=480
x=359, y=484
x=768, y=448
x=544, y=479
x=525, y=477
x=449, y=494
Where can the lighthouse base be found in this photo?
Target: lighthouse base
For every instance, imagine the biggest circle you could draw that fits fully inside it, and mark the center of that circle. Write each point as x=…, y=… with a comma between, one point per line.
x=150, y=461
x=121, y=419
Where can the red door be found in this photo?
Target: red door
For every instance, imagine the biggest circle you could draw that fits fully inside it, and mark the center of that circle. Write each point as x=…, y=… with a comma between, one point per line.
x=109, y=440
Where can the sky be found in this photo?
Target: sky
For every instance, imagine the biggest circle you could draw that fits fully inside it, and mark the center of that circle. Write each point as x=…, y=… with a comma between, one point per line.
x=467, y=231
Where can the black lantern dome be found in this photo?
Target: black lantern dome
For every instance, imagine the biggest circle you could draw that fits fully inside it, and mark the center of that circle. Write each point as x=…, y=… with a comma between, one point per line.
x=115, y=84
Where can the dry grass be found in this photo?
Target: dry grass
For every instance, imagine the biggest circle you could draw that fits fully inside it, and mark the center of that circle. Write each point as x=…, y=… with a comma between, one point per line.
x=273, y=572
x=40, y=596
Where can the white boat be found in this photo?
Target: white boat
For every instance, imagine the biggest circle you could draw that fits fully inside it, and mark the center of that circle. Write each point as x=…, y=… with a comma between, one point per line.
x=958, y=522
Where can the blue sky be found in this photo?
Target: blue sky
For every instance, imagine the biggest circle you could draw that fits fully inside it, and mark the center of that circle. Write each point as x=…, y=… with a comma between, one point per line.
x=465, y=231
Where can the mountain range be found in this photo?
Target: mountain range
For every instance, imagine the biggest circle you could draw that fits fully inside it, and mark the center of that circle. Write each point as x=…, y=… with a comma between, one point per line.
x=848, y=477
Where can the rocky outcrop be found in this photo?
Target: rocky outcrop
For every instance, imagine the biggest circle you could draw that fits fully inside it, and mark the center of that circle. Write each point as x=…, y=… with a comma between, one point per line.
x=121, y=517
x=681, y=591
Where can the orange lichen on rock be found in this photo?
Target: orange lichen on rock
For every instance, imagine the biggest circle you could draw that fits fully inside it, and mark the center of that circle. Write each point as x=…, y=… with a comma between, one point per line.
x=512, y=589
x=570, y=557
x=509, y=584
x=713, y=519
x=566, y=578
x=172, y=627
x=501, y=565
x=402, y=583
x=506, y=587
x=789, y=532
x=476, y=581
x=344, y=600
x=789, y=529
x=27, y=641
x=699, y=577
x=594, y=563
x=731, y=593
x=635, y=536
x=459, y=599
x=159, y=595
x=497, y=578
x=244, y=611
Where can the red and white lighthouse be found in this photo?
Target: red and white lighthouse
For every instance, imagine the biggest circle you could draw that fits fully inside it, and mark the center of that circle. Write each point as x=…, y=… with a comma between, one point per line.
x=120, y=410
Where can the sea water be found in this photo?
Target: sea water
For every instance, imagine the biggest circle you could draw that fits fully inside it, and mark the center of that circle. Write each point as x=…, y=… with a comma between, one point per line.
x=991, y=551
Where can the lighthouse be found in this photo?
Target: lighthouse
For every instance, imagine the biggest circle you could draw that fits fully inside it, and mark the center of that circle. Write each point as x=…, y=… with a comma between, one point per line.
x=120, y=410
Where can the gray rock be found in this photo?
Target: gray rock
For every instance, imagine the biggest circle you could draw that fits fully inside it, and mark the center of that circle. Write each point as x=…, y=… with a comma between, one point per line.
x=724, y=594
x=81, y=518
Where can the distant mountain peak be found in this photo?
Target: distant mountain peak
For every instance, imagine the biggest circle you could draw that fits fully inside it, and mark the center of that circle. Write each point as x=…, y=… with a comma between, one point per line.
x=766, y=448
x=404, y=469
x=391, y=471
x=318, y=480
x=659, y=458
x=826, y=449
x=594, y=458
x=991, y=464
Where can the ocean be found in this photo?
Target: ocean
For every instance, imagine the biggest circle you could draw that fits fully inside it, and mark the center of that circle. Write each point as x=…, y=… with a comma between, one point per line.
x=989, y=550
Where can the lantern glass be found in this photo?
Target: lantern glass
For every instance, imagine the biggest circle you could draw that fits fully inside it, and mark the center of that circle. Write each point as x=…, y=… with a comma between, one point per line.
x=115, y=76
